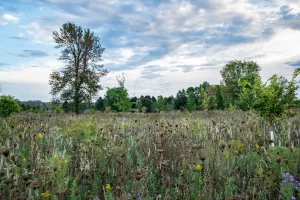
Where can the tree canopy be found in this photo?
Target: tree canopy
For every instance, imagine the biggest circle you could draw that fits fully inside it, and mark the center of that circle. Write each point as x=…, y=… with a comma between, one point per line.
x=234, y=73
x=78, y=81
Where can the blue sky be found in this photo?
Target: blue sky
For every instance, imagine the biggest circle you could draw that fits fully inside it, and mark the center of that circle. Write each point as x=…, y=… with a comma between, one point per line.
x=160, y=46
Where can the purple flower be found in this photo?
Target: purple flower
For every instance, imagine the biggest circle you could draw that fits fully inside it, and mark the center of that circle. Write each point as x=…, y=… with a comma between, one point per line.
x=294, y=198
x=129, y=195
x=138, y=194
x=286, y=175
x=96, y=198
x=292, y=179
x=284, y=181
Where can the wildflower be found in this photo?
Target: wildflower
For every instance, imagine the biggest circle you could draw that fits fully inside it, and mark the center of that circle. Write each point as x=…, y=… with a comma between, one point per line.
x=294, y=198
x=46, y=194
x=227, y=154
x=292, y=179
x=257, y=146
x=181, y=171
x=40, y=136
x=139, y=196
x=236, y=151
x=198, y=167
x=96, y=198
x=240, y=145
x=108, y=187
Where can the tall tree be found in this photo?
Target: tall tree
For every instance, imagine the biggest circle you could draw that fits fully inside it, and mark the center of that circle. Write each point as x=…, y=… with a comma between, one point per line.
x=99, y=104
x=219, y=98
x=78, y=80
x=181, y=99
x=204, y=99
x=191, y=102
x=234, y=73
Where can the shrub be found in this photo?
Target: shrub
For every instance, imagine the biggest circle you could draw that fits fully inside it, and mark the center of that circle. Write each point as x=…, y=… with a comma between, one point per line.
x=7, y=106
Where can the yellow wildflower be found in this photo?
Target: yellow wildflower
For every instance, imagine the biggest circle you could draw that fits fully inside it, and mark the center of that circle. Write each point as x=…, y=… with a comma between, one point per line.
x=236, y=151
x=40, y=136
x=181, y=171
x=227, y=154
x=46, y=194
x=198, y=167
x=108, y=187
x=257, y=146
x=240, y=145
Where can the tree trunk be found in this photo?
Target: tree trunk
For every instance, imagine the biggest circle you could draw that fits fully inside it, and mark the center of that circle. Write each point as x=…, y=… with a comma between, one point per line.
x=76, y=101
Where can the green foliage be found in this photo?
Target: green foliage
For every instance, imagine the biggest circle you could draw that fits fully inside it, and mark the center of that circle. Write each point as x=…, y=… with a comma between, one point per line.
x=297, y=72
x=144, y=109
x=8, y=106
x=147, y=102
x=161, y=103
x=272, y=99
x=219, y=98
x=204, y=99
x=66, y=107
x=230, y=107
x=181, y=99
x=79, y=80
x=99, y=104
x=236, y=72
x=58, y=110
x=191, y=104
x=117, y=99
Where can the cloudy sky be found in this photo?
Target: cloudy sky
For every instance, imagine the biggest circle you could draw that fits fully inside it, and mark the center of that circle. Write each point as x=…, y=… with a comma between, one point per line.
x=160, y=46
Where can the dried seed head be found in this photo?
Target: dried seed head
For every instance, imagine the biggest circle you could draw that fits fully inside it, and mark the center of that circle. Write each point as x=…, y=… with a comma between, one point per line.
x=6, y=152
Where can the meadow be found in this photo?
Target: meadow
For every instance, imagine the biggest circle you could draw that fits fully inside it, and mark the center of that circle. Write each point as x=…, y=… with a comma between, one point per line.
x=198, y=155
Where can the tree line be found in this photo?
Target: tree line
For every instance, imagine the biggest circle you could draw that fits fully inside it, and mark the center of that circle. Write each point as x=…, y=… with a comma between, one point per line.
x=74, y=86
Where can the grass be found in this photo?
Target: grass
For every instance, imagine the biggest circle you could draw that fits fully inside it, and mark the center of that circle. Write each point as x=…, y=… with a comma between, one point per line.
x=217, y=155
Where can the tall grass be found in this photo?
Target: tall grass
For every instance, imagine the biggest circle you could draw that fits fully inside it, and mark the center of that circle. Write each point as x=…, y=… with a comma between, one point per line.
x=219, y=155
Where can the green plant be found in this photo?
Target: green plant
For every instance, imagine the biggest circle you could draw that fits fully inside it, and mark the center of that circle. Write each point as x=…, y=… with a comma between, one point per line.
x=8, y=106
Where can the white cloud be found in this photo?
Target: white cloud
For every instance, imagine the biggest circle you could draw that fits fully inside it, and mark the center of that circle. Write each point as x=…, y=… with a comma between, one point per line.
x=10, y=18
x=197, y=38
x=41, y=34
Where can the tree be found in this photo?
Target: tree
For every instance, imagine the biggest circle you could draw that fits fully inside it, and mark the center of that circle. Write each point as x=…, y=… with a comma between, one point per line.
x=191, y=104
x=99, y=104
x=133, y=101
x=296, y=73
x=235, y=72
x=66, y=107
x=204, y=99
x=78, y=80
x=170, y=102
x=147, y=103
x=270, y=99
x=8, y=106
x=219, y=98
x=161, y=103
x=181, y=99
x=117, y=99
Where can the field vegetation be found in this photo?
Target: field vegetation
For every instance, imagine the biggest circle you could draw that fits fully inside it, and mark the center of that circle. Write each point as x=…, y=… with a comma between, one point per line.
x=175, y=155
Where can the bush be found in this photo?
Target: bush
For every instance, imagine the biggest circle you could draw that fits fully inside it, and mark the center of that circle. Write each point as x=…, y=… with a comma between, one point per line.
x=7, y=106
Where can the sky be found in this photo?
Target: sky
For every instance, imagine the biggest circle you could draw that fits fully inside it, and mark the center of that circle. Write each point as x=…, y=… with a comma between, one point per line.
x=160, y=46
